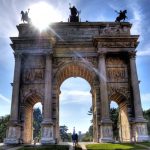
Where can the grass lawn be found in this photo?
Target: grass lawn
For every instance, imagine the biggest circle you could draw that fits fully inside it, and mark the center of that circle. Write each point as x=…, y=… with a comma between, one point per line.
x=111, y=146
x=145, y=143
x=48, y=147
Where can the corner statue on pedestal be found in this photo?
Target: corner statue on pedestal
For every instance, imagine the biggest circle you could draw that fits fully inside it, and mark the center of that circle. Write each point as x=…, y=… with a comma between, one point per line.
x=74, y=17
x=122, y=15
x=25, y=17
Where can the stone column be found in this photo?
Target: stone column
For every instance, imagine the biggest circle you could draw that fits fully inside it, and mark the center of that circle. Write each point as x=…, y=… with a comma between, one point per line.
x=14, y=131
x=47, y=124
x=140, y=122
x=106, y=123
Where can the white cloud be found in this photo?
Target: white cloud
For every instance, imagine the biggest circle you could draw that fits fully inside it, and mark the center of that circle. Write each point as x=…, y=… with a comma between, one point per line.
x=145, y=97
x=143, y=53
x=75, y=96
x=3, y=98
x=144, y=50
x=136, y=20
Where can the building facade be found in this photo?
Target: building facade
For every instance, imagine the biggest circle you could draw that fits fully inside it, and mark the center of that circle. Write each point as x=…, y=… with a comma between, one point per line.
x=103, y=53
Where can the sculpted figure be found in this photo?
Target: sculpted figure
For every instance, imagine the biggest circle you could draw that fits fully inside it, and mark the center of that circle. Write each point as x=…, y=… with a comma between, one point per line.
x=25, y=17
x=122, y=15
x=74, y=17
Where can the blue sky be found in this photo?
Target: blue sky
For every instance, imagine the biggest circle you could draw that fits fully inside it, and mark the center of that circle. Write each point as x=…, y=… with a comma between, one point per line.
x=95, y=10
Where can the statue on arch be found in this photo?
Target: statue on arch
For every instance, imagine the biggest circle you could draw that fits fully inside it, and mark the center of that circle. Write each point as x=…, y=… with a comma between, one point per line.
x=25, y=17
x=122, y=15
x=74, y=17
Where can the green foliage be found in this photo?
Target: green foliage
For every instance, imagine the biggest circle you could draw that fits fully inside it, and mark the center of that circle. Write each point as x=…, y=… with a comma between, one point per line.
x=63, y=133
x=87, y=137
x=37, y=119
x=3, y=127
x=91, y=131
x=114, y=114
x=146, y=114
x=112, y=146
x=90, y=112
x=69, y=137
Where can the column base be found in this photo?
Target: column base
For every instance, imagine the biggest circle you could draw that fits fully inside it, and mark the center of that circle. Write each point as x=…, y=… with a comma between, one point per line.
x=106, y=140
x=46, y=141
x=140, y=132
x=143, y=138
x=13, y=135
x=106, y=132
x=47, y=133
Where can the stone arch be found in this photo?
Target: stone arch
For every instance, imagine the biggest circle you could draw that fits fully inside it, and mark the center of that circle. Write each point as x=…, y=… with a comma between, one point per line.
x=30, y=100
x=77, y=69
x=123, y=118
x=74, y=69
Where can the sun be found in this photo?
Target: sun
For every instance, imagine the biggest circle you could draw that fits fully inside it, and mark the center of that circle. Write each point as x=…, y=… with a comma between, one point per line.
x=42, y=14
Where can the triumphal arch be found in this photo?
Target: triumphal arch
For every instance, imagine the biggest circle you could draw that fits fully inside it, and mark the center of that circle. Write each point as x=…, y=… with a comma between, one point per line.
x=103, y=53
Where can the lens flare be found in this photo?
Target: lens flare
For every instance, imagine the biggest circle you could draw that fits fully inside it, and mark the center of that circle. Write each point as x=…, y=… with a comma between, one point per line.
x=42, y=14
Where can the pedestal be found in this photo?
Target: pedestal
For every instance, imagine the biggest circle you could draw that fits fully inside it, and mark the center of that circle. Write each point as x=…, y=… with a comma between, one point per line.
x=106, y=133
x=47, y=134
x=13, y=136
x=141, y=133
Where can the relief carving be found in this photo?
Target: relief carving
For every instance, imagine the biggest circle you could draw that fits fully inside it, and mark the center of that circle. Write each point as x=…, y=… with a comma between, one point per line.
x=33, y=75
x=118, y=44
x=117, y=74
x=107, y=131
x=12, y=132
x=124, y=90
x=111, y=31
x=115, y=61
x=141, y=129
x=47, y=132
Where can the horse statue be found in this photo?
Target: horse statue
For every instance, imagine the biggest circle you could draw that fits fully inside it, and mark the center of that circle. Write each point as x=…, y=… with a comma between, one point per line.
x=122, y=16
x=25, y=17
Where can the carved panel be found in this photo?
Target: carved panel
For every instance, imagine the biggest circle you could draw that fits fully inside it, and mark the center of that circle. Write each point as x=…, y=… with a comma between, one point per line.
x=118, y=44
x=116, y=30
x=117, y=74
x=107, y=131
x=141, y=129
x=113, y=61
x=31, y=61
x=32, y=74
x=31, y=89
x=122, y=88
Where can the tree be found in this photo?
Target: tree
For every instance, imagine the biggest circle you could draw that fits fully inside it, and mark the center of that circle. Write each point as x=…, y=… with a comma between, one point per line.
x=63, y=133
x=87, y=137
x=90, y=112
x=114, y=113
x=37, y=120
x=3, y=126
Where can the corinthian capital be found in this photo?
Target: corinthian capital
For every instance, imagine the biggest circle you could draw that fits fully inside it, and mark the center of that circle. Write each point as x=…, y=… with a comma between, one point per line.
x=132, y=54
x=17, y=55
x=101, y=54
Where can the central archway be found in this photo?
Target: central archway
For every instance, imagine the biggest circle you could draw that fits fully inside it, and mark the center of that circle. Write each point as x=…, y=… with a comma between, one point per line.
x=87, y=72
x=75, y=101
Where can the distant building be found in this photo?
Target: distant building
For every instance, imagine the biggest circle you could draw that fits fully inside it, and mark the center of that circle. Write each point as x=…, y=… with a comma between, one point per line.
x=79, y=136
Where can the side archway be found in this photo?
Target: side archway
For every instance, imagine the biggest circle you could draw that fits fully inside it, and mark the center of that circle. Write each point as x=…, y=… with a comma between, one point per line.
x=123, y=124
x=29, y=103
